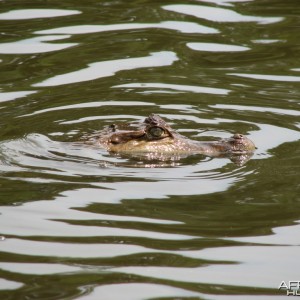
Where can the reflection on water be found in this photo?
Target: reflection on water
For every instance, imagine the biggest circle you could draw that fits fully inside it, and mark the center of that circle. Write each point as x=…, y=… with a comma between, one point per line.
x=134, y=291
x=185, y=27
x=216, y=14
x=159, y=87
x=254, y=268
x=35, y=45
x=268, y=77
x=80, y=223
x=109, y=68
x=14, y=95
x=212, y=47
x=24, y=14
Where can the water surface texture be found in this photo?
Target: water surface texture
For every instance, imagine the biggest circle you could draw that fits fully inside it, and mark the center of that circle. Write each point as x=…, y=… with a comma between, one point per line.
x=79, y=223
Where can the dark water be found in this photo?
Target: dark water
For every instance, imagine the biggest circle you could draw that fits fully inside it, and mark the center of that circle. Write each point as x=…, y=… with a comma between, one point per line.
x=78, y=223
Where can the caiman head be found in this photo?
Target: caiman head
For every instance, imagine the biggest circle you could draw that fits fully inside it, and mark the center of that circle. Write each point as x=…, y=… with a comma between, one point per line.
x=153, y=135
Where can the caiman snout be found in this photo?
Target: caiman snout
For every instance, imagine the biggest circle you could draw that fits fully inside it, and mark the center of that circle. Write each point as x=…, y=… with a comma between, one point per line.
x=241, y=143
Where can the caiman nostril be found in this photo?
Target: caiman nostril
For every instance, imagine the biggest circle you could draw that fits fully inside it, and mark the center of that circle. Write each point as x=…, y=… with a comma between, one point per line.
x=238, y=136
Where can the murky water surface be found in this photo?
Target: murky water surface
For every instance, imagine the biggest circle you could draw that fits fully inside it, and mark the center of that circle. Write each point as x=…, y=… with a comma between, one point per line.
x=79, y=223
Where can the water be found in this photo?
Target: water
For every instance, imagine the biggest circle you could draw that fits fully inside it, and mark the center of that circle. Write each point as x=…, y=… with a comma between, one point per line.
x=79, y=223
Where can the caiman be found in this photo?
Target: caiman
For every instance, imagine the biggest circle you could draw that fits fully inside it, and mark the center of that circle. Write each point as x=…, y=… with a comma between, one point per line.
x=155, y=136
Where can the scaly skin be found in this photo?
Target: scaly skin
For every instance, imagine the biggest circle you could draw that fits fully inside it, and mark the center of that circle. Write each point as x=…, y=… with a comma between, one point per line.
x=154, y=135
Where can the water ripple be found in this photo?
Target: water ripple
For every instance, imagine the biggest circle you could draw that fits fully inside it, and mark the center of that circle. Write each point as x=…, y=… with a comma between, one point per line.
x=279, y=111
x=8, y=96
x=90, y=105
x=184, y=27
x=176, y=87
x=137, y=291
x=252, y=272
x=24, y=14
x=9, y=285
x=284, y=78
x=109, y=68
x=214, y=47
x=35, y=45
x=38, y=268
x=217, y=14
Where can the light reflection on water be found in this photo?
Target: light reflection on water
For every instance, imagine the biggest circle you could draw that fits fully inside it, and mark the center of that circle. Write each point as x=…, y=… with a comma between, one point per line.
x=90, y=225
x=134, y=291
x=14, y=95
x=184, y=27
x=35, y=45
x=258, y=270
x=178, y=88
x=269, y=77
x=216, y=14
x=9, y=285
x=23, y=14
x=213, y=47
x=109, y=68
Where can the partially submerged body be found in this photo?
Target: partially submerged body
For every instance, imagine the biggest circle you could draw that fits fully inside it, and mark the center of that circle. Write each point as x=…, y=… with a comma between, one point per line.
x=155, y=136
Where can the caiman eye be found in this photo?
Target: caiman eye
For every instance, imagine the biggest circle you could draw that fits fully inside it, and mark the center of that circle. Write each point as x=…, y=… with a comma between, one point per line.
x=156, y=132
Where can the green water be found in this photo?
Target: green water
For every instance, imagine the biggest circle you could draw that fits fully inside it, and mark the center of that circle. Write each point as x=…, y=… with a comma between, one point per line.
x=79, y=223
